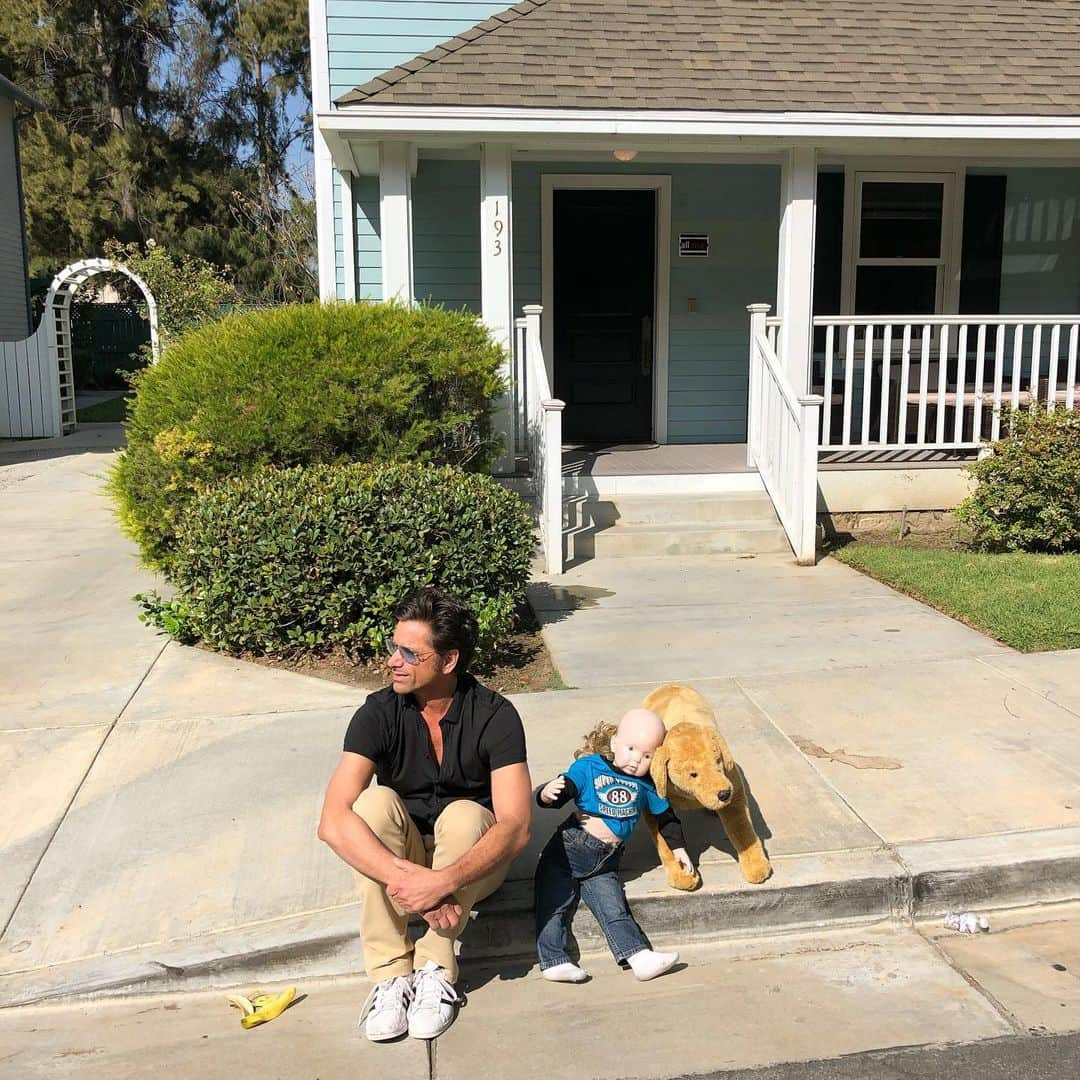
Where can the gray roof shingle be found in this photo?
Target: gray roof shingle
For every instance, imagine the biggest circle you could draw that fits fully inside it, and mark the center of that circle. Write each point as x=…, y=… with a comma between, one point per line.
x=977, y=57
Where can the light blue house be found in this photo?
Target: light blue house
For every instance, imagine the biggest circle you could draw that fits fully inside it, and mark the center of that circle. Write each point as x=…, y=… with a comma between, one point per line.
x=898, y=183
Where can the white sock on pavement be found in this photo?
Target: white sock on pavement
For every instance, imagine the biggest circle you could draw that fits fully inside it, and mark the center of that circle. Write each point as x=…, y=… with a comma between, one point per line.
x=648, y=964
x=568, y=972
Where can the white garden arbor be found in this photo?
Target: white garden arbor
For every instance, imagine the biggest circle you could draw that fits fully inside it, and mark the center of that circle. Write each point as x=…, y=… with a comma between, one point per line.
x=37, y=379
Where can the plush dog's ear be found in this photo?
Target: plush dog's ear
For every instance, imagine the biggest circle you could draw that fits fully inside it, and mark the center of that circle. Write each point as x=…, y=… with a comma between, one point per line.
x=724, y=754
x=658, y=770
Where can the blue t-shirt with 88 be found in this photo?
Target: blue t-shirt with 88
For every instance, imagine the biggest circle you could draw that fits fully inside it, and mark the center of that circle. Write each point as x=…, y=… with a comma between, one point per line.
x=617, y=798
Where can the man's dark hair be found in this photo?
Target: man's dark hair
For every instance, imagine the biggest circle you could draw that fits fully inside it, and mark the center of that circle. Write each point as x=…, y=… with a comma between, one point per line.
x=453, y=625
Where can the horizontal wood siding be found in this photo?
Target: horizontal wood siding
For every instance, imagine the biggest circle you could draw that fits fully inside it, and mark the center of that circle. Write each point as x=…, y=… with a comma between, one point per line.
x=368, y=37
x=708, y=358
x=739, y=207
x=368, y=247
x=446, y=233
x=365, y=190
x=14, y=320
x=364, y=39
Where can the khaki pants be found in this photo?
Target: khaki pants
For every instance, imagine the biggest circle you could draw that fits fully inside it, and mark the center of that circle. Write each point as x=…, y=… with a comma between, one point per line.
x=388, y=952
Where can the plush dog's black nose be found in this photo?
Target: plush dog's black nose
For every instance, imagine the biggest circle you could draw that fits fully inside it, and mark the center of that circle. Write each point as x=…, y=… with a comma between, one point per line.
x=724, y=796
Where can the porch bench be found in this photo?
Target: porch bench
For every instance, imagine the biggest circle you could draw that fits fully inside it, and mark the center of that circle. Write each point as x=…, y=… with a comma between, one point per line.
x=968, y=400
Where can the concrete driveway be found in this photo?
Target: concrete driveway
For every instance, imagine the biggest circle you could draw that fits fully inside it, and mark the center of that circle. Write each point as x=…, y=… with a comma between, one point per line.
x=168, y=797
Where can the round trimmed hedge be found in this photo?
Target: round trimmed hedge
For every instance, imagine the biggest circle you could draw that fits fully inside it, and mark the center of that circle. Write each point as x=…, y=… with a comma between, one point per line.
x=1028, y=492
x=298, y=385
x=282, y=560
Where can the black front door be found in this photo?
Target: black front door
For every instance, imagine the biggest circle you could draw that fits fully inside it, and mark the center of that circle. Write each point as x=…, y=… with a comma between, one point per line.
x=603, y=329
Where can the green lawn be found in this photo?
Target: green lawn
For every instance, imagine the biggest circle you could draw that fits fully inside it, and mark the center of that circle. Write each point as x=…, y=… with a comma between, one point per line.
x=1031, y=602
x=104, y=412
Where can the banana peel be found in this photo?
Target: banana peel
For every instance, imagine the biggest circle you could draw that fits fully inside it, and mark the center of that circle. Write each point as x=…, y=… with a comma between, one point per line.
x=261, y=1008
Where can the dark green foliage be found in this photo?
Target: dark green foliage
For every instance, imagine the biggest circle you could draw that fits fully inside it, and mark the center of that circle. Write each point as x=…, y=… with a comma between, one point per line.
x=1028, y=493
x=309, y=558
x=298, y=385
x=167, y=120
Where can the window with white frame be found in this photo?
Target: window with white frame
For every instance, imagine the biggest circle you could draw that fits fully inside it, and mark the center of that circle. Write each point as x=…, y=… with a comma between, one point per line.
x=899, y=243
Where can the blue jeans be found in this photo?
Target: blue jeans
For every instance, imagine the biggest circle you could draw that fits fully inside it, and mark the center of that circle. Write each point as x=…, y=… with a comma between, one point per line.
x=576, y=866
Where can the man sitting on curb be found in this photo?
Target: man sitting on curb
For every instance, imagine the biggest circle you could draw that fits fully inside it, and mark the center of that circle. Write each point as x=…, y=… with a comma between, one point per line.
x=451, y=809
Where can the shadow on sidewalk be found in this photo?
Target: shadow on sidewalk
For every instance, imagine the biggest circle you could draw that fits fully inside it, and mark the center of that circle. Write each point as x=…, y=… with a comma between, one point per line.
x=556, y=603
x=86, y=439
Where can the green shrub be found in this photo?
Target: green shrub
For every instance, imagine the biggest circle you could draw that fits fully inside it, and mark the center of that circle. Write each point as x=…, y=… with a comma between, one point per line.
x=186, y=289
x=298, y=385
x=309, y=558
x=1028, y=492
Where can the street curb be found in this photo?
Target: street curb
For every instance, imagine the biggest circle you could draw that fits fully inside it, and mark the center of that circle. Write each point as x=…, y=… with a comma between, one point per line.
x=1008, y=870
x=808, y=891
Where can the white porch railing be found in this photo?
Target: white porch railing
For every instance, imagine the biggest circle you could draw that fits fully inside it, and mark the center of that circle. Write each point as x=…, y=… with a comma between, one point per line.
x=782, y=433
x=543, y=421
x=938, y=382
x=520, y=388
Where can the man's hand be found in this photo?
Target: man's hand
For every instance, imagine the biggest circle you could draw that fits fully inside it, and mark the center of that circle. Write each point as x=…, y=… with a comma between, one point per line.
x=552, y=790
x=417, y=888
x=446, y=916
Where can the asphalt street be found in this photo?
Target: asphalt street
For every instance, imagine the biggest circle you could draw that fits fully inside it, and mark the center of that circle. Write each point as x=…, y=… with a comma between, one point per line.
x=1015, y=1058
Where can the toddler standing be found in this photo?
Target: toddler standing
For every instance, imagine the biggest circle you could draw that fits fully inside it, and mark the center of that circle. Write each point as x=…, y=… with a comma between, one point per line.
x=581, y=861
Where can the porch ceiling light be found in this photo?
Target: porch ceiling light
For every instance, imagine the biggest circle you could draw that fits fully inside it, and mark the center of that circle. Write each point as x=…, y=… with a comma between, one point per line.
x=624, y=155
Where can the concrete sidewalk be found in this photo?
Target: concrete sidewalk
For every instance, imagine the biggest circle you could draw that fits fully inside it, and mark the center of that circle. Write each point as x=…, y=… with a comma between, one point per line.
x=900, y=763
x=734, y=1005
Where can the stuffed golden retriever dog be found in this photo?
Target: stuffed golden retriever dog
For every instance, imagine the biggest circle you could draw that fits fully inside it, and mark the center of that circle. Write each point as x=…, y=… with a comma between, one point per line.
x=693, y=769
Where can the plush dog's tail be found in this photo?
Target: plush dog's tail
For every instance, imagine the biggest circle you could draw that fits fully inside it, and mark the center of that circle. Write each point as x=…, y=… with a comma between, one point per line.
x=598, y=741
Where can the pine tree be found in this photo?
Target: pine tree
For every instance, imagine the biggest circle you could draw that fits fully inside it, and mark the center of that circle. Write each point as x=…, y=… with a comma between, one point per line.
x=149, y=130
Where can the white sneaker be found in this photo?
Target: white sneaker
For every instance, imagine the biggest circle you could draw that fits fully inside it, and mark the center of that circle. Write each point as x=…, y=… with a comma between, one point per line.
x=433, y=1001
x=385, y=1013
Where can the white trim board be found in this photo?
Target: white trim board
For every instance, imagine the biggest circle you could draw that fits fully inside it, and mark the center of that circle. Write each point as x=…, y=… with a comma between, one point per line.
x=326, y=242
x=549, y=183
x=471, y=152
x=668, y=122
x=320, y=56
x=324, y=219
x=717, y=483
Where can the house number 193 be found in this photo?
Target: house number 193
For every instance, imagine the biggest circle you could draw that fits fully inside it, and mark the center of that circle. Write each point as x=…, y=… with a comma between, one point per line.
x=497, y=227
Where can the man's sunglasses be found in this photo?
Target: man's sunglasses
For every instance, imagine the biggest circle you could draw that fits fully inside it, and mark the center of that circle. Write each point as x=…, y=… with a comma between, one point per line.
x=407, y=654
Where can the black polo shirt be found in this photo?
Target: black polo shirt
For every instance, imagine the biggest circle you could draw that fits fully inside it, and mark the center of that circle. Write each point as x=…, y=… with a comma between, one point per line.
x=481, y=731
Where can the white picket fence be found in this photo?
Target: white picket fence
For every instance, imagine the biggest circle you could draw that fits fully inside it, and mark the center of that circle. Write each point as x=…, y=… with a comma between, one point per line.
x=938, y=382
x=37, y=379
x=781, y=438
x=33, y=387
x=542, y=415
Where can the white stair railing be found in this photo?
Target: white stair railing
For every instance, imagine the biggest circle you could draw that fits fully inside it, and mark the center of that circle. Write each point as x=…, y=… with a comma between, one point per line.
x=521, y=382
x=921, y=382
x=544, y=432
x=782, y=435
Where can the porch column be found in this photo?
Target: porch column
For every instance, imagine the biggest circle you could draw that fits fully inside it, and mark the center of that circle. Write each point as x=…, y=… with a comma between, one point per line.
x=324, y=218
x=795, y=275
x=496, y=281
x=395, y=220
